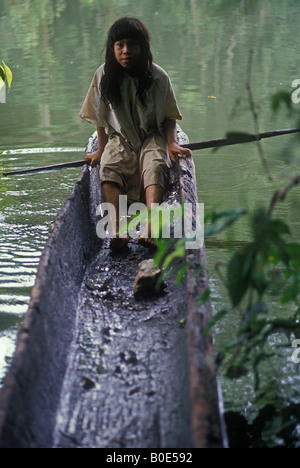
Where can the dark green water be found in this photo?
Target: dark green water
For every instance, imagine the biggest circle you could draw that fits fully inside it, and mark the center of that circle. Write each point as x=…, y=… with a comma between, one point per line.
x=53, y=49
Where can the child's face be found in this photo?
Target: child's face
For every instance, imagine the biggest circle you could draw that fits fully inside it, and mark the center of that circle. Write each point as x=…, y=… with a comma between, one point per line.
x=127, y=52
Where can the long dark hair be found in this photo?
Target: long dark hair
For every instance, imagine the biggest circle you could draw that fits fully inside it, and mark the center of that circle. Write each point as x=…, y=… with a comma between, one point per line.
x=126, y=28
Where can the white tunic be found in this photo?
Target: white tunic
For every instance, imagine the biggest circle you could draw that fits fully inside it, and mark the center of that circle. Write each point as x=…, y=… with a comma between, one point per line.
x=134, y=121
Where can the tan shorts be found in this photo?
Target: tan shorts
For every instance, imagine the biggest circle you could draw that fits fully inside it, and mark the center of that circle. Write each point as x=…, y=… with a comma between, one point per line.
x=135, y=172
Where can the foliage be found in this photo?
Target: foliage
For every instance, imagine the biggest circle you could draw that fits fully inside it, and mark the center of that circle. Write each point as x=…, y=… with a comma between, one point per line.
x=5, y=75
x=216, y=222
x=171, y=252
x=274, y=426
x=279, y=98
x=268, y=262
x=269, y=259
x=265, y=266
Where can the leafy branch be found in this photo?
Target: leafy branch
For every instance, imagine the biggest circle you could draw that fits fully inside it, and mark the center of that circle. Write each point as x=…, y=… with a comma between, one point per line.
x=281, y=194
x=255, y=116
x=250, y=273
x=269, y=263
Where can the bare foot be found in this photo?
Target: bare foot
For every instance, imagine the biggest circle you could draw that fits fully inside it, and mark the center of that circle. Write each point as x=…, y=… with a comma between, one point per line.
x=118, y=243
x=145, y=238
x=147, y=242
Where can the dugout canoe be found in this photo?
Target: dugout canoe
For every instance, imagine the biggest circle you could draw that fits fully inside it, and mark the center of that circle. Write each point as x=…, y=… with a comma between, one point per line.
x=93, y=366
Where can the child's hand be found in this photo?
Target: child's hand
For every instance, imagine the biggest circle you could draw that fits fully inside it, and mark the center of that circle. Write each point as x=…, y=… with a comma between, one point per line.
x=94, y=158
x=175, y=150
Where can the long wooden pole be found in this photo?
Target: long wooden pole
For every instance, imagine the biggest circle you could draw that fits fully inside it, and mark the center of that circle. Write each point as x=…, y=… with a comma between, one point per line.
x=54, y=167
x=236, y=138
x=232, y=139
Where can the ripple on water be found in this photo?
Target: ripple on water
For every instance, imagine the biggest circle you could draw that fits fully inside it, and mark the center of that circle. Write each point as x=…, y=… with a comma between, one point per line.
x=28, y=206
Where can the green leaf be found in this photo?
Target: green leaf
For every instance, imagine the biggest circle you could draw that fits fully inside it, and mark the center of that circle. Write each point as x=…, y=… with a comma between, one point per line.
x=279, y=98
x=204, y=298
x=274, y=258
x=258, y=308
x=216, y=318
x=293, y=251
x=239, y=275
x=8, y=74
x=236, y=371
x=181, y=274
x=280, y=227
x=178, y=252
x=258, y=278
x=291, y=293
x=222, y=220
x=2, y=77
x=256, y=326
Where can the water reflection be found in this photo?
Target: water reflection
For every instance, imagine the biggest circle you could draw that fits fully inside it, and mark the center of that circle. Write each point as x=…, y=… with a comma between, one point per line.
x=28, y=208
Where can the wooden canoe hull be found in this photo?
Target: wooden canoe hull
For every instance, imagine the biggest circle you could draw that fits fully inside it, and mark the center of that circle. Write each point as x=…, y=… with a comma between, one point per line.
x=160, y=374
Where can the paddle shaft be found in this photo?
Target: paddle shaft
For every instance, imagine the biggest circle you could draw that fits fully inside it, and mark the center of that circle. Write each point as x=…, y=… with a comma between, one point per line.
x=218, y=142
x=244, y=138
x=54, y=167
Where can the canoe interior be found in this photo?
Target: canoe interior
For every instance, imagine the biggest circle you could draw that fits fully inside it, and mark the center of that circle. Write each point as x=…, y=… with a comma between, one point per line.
x=94, y=367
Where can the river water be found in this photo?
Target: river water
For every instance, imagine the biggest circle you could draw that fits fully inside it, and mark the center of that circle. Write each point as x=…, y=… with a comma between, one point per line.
x=53, y=49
